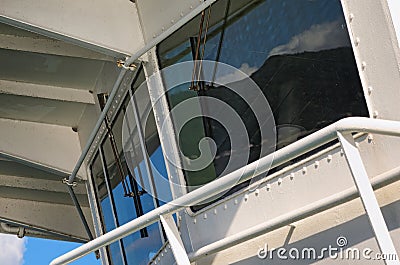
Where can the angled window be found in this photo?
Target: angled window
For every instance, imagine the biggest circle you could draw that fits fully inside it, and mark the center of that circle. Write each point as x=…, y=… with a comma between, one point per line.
x=297, y=51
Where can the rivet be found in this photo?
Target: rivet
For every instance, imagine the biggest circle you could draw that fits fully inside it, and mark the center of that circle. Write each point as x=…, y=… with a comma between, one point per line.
x=225, y=206
x=154, y=35
x=280, y=181
x=351, y=17
x=329, y=158
x=162, y=254
x=180, y=218
x=159, y=258
x=246, y=197
x=316, y=164
x=191, y=7
x=341, y=152
x=169, y=246
x=268, y=186
x=162, y=28
x=215, y=211
x=172, y=21
x=370, y=89
x=194, y=220
x=181, y=14
x=304, y=170
x=165, y=250
x=205, y=216
x=370, y=138
x=363, y=65
x=357, y=145
x=236, y=201
x=291, y=175
x=357, y=41
x=375, y=114
x=257, y=192
x=155, y=262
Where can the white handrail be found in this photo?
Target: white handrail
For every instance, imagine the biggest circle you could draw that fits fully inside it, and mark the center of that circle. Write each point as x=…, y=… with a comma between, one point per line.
x=321, y=137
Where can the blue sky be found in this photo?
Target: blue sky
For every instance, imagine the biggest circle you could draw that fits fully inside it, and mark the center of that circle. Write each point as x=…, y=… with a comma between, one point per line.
x=43, y=251
x=36, y=251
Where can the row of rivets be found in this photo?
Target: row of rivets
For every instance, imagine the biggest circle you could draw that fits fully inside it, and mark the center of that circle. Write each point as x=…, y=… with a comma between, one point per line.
x=363, y=66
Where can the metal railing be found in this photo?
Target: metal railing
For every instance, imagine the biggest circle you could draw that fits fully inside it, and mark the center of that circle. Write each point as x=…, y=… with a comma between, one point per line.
x=341, y=129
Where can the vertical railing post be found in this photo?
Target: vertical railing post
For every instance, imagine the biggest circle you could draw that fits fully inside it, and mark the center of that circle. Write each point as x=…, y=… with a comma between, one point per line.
x=174, y=240
x=367, y=196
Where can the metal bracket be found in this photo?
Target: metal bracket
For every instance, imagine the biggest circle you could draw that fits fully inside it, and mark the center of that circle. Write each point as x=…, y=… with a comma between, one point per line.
x=174, y=240
x=121, y=64
x=367, y=196
x=66, y=182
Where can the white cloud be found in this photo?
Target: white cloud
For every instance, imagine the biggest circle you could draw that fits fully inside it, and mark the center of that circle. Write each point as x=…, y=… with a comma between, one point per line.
x=12, y=250
x=224, y=77
x=318, y=37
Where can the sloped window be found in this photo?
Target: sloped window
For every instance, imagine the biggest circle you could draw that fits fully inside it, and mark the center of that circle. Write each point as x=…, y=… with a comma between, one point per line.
x=297, y=51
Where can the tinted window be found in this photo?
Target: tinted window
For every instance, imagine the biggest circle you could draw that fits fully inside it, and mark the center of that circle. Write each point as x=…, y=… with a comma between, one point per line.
x=297, y=51
x=122, y=183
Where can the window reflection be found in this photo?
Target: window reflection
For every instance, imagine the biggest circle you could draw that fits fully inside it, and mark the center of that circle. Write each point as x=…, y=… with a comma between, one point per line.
x=117, y=208
x=297, y=51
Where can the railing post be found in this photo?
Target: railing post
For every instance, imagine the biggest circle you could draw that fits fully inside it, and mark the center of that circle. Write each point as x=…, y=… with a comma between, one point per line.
x=367, y=196
x=174, y=240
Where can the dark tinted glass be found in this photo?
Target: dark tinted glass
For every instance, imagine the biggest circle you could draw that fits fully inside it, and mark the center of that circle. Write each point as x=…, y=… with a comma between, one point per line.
x=297, y=51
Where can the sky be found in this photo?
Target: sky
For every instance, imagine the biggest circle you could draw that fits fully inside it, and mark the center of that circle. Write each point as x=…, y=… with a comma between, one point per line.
x=34, y=251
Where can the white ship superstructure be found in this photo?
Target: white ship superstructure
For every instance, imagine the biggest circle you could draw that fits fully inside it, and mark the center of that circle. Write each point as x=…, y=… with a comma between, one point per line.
x=117, y=130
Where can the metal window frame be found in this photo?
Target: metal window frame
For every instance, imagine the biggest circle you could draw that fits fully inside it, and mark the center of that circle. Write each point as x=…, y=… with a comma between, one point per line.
x=112, y=201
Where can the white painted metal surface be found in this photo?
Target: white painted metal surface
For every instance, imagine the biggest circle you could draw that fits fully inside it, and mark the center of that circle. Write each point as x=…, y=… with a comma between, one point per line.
x=174, y=240
x=61, y=143
x=367, y=195
x=79, y=22
x=288, y=218
x=131, y=29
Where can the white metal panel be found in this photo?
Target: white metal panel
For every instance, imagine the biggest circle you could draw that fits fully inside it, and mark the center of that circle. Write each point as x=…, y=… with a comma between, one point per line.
x=17, y=39
x=48, y=145
x=394, y=6
x=166, y=12
x=377, y=55
x=111, y=27
x=52, y=216
x=46, y=92
x=367, y=195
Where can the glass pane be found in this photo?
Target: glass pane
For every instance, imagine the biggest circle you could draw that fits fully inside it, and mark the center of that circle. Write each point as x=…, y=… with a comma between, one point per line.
x=297, y=51
x=141, y=246
x=114, y=250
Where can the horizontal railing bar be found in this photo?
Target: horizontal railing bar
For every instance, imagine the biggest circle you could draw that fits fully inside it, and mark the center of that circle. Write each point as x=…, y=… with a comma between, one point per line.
x=291, y=217
x=302, y=146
